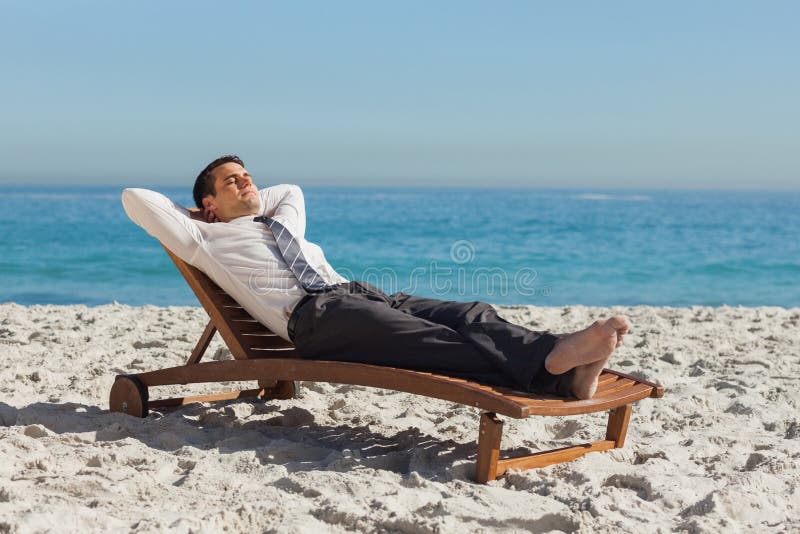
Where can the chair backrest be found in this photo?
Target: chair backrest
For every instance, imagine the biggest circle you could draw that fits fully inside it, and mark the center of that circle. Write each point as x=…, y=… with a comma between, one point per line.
x=246, y=337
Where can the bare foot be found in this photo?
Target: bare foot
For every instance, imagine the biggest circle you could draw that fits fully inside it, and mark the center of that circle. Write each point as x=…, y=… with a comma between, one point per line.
x=585, y=379
x=586, y=346
x=587, y=352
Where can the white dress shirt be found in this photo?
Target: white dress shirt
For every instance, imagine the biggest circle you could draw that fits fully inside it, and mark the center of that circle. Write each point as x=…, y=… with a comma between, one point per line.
x=240, y=256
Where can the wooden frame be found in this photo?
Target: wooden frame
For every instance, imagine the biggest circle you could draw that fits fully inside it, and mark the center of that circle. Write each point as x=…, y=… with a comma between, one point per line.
x=261, y=355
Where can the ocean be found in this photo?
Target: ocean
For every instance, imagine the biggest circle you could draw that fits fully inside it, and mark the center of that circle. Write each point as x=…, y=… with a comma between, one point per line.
x=75, y=245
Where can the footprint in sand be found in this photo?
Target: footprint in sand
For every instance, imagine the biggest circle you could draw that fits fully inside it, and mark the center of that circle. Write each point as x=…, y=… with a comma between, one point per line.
x=640, y=485
x=566, y=429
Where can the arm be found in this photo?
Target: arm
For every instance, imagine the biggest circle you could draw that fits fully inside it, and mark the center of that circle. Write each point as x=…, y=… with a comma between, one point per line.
x=285, y=204
x=165, y=220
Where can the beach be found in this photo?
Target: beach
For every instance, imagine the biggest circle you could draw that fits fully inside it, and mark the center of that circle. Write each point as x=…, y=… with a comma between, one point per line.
x=563, y=163
x=720, y=451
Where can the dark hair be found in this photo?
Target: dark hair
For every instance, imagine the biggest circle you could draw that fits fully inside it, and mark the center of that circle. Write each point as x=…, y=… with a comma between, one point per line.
x=204, y=184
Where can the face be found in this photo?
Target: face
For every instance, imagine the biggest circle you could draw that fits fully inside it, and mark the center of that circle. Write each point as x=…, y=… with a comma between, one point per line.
x=236, y=195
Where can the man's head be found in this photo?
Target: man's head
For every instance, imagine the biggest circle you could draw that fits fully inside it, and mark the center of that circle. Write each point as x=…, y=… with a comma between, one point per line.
x=225, y=190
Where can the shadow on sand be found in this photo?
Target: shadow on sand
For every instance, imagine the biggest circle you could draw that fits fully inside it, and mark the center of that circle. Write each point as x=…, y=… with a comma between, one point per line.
x=282, y=436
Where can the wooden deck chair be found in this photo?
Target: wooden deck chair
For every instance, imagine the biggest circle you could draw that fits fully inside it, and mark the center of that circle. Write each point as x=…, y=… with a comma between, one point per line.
x=263, y=356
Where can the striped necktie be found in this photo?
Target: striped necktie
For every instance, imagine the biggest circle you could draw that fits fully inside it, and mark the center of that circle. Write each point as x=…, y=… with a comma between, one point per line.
x=289, y=247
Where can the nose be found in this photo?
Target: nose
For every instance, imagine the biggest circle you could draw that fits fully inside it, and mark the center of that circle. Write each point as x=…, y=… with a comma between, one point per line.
x=244, y=182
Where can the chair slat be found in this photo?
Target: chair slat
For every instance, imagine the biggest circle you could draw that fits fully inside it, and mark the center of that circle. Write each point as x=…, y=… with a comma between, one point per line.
x=613, y=387
x=605, y=378
x=223, y=299
x=272, y=353
x=235, y=312
x=249, y=326
x=266, y=341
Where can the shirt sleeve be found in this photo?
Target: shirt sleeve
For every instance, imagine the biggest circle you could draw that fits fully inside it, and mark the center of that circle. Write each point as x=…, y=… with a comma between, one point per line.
x=165, y=220
x=285, y=204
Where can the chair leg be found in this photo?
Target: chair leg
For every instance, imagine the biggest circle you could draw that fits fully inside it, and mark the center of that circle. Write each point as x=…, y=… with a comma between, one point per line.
x=489, y=436
x=489, y=465
x=202, y=343
x=618, y=425
x=278, y=389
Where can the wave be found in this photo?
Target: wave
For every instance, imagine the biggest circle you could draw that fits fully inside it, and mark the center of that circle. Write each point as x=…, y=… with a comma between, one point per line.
x=603, y=196
x=62, y=196
x=755, y=268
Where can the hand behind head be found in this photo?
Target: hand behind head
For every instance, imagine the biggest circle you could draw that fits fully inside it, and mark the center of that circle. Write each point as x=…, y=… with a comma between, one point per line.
x=210, y=215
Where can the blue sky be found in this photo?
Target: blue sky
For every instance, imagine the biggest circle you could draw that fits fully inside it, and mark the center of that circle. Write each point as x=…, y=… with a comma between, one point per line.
x=559, y=94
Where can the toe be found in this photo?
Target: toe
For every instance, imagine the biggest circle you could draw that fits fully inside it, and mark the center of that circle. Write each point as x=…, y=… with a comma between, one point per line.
x=620, y=324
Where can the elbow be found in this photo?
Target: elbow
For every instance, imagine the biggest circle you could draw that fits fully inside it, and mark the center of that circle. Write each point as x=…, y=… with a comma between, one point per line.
x=128, y=198
x=130, y=194
x=133, y=199
x=295, y=191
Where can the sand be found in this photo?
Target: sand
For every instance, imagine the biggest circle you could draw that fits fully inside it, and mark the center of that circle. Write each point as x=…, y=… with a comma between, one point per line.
x=719, y=452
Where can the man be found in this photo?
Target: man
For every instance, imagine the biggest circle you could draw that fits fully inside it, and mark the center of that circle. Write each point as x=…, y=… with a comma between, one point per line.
x=251, y=243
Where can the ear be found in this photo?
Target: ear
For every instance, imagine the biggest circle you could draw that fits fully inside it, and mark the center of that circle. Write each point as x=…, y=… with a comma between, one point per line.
x=209, y=204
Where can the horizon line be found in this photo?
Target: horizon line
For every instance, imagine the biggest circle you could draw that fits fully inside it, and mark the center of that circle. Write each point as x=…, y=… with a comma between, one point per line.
x=470, y=186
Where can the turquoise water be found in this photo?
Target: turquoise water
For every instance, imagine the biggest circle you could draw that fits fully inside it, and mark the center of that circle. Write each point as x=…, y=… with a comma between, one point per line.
x=67, y=245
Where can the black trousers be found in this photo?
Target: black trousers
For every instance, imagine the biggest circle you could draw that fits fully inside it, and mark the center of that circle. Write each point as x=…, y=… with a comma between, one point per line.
x=357, y=322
